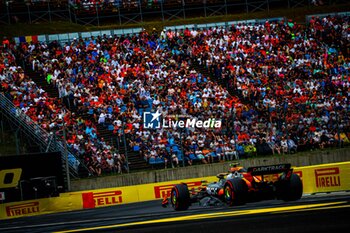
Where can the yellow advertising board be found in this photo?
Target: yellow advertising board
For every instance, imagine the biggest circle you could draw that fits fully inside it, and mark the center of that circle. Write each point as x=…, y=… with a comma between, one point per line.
x=65, y=202
x=137, y=193
x=325, y=178
x=320, y=178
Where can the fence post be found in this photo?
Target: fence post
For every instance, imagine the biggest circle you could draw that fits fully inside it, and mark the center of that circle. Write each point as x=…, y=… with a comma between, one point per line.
x=66, y=154
x=69, y=13
x=268, y=6
x=183, y=8
x=29, y=17
x=120, y=18
x=98, y=18
x=125, y=145
x=49, y=10
x=161, y=8
x=140, y=6
x=8, y=12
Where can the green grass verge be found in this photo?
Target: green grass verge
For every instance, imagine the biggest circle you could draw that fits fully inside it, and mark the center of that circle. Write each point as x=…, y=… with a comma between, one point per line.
x=297, y=14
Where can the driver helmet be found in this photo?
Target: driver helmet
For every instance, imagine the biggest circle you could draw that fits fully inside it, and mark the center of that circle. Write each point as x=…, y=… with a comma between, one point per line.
x=234, y=167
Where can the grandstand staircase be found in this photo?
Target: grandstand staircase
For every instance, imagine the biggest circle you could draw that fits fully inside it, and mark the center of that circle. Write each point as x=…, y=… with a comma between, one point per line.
x=205, y=71
x=136, y=163
x=40, y=81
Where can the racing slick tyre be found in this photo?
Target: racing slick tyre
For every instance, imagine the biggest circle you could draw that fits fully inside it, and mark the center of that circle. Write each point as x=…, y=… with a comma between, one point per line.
x=180, y=197
x=292, y=189
x=235, y=191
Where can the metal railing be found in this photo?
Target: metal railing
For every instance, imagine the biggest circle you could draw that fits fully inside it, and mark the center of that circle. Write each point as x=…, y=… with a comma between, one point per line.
x=339, y=14
x=69, y=37
x=37, y=133
x=223, y=24
x=136, y=11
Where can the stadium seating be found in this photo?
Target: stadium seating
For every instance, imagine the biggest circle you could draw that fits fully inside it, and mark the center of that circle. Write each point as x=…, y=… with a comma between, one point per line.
x=277, y=87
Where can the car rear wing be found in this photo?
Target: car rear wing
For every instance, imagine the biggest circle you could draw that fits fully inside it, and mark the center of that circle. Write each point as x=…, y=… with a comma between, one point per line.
x=270, y=169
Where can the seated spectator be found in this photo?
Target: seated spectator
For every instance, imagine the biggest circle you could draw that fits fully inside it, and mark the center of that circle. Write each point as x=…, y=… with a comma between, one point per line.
x=324, y=141
x=102, y=118
x=230, y=153
x=96, y=166
x=188, y=153
x=249, y=149
x=165, y=156
x=284, y=145
x=207, y=155
x=174, y=160
x=111, y=163
x=292, y=147
x=199, y=154
x=219, y=151
x=274, y=145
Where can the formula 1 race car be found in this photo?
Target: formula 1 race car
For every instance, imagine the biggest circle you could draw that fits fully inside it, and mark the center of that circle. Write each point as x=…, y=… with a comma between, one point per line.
x=239, y=186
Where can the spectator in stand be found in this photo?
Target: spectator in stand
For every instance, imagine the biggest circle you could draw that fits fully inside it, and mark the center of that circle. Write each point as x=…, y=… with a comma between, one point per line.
x=274, y=145
x=230, y=153
x=174, y=160
x=284, y=145
x=189, y=156
x=207, y=155
x=220, y=152
x=292, y=147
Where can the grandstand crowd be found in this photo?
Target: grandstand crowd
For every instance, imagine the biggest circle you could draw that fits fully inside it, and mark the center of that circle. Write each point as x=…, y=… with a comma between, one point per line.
x=277, y=87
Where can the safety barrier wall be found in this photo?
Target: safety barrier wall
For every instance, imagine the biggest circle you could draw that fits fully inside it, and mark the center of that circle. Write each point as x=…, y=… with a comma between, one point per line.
x=94, y=198
x=325, y=178
x=155, y=176
x=319, y=178
x=65, y=202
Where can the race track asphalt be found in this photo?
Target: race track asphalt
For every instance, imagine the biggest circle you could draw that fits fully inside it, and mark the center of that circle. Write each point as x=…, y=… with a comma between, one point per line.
x=314, y=213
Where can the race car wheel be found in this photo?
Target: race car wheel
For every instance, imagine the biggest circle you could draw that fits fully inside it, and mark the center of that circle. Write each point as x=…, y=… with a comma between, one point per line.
x=292, y=189
x=180, y=197
x=235, y=191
